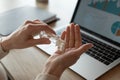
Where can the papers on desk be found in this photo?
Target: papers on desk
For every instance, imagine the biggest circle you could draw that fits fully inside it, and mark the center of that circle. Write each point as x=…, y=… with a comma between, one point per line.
x=11, y=20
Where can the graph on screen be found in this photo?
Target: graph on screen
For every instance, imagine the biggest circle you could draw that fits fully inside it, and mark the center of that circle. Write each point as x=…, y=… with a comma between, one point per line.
x=116, y=28
x=110, y=6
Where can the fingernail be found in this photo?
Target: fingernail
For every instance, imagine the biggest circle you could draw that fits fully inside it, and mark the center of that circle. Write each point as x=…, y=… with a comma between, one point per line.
x=73, y=23
x=77, y=25
x=91, y=45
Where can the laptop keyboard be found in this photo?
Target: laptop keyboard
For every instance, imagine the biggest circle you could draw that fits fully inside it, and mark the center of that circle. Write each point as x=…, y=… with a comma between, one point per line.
x=101, y=51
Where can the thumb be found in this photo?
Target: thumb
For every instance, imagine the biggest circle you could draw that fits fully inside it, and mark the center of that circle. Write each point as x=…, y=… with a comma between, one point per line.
x=83, y=48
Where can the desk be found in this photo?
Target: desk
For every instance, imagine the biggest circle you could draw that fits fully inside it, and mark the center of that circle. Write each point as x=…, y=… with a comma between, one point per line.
x=25, y=64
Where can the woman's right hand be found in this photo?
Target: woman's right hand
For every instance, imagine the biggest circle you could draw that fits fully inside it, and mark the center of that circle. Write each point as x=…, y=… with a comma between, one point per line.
x=23, y=36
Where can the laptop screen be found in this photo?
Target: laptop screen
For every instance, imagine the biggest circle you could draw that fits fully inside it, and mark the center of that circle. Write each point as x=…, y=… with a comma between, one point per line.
x=101, y=17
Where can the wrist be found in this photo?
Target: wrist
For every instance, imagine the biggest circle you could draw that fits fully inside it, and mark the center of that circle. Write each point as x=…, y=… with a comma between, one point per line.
x=53, y=70
x=5, y=44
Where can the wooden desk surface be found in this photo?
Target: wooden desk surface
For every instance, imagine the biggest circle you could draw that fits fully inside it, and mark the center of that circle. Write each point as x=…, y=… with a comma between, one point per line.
x=25, y=64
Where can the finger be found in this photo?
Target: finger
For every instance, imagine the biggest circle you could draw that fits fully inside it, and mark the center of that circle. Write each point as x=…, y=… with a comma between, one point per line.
x=38, y=21
x=46, y=28
x=78, y=39
x=36, y=28
x=30, y=22
x=34, y=42
x=63, y=35
x=83, y=49
x=72, y=36
x=58, y=52
x=67, y=37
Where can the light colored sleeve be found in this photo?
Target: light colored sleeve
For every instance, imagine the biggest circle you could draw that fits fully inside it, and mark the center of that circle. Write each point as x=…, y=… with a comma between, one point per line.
x=2, y=52
x=46, y=77
x=3, y=75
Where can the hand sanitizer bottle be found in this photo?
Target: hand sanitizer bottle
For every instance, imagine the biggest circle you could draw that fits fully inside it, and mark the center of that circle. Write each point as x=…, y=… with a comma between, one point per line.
x=55, y=39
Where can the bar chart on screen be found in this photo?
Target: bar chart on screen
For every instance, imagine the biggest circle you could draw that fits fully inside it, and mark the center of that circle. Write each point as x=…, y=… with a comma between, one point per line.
x=109, y=6
x=116, y=28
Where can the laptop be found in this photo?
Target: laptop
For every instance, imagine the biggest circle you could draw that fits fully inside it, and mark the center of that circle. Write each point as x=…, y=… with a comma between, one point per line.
x=100, y=25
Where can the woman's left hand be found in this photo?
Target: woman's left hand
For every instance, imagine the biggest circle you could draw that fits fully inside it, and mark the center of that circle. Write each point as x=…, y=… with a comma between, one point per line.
x=59, y=61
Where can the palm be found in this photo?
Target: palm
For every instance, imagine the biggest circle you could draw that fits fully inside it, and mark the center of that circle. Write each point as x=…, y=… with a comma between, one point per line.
x=59, y=61
x=73, y=47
